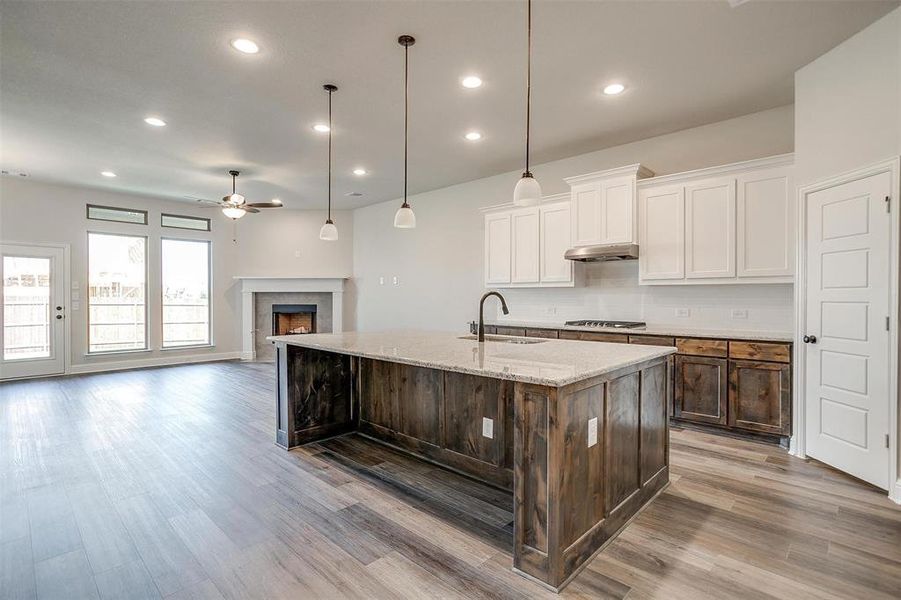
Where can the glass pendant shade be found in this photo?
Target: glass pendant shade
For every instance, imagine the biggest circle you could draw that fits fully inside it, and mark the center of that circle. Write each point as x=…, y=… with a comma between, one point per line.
x=404, y=217
x=233, y=212
x=328, y=232
x=527, y=192
x=236, y=199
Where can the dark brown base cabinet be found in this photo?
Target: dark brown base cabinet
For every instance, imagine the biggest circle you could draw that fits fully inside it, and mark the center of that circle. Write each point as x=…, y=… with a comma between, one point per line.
x=739, y=386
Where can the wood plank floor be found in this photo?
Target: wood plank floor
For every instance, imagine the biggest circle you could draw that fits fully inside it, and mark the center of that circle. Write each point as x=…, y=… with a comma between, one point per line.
x=166, y=483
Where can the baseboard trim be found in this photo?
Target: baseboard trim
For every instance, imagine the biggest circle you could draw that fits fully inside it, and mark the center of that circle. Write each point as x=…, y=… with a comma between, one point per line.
x=144, y=363
x=895, y=493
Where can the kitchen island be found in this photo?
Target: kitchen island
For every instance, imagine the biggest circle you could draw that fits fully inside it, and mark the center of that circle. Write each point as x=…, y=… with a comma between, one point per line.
x=576, y=431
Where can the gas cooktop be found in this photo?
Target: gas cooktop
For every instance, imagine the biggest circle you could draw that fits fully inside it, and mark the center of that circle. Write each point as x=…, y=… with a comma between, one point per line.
x=612, y=324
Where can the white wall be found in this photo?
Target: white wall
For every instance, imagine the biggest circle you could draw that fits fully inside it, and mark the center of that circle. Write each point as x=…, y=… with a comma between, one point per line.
x=439, y=264
x=848, y=104
x=848, y=114
x=33, y=212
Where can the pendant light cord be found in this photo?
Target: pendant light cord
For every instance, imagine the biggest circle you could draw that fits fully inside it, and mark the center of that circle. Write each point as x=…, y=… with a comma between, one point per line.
x=329, y=156
x=406, y=102
x=528, y=84
x=233, y=184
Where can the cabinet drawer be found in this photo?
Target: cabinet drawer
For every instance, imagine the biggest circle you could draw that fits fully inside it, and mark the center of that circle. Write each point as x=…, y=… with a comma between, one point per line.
x=760, y=351
x=760, y=396
x=595, y=336
x=652, y=340
x=542, y=333
x=699, y=347
x=519, y=331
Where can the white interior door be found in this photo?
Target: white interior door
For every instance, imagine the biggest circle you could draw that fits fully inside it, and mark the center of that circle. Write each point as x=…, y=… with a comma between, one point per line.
x=848, y=303
x=32, y=311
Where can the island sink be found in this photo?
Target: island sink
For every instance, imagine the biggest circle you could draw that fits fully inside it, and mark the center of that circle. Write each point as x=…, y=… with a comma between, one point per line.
x=578, y=432
x=504, y=340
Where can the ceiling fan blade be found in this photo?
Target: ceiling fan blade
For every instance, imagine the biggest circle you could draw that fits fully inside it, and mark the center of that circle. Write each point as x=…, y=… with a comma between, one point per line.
x=264, y=205
x=249, y=209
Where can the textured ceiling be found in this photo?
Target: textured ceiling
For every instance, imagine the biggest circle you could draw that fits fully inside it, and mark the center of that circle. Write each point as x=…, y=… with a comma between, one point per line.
x=77, y=78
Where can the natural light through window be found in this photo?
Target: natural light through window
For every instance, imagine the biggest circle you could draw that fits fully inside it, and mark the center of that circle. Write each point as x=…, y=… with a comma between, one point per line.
x=26, y=307
x=117, y=298
x=186, y=293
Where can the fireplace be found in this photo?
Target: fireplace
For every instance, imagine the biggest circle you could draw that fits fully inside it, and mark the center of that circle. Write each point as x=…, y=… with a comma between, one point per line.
x=290, y=319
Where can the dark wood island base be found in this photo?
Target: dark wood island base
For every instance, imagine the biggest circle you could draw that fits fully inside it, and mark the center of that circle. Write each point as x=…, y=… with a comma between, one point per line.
x=581, y=459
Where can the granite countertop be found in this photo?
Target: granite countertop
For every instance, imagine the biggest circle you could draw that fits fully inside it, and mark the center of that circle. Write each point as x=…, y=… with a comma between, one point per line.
x=670, y=330
x=550, y=362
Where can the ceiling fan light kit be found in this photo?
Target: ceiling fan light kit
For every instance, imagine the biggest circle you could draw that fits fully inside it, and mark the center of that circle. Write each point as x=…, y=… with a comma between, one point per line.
x=329, y=232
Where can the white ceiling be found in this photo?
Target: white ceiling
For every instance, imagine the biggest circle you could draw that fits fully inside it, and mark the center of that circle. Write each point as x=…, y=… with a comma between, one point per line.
x=77, y=78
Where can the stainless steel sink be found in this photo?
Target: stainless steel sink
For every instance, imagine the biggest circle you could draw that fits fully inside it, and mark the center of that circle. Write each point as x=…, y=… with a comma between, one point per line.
x=505, y=340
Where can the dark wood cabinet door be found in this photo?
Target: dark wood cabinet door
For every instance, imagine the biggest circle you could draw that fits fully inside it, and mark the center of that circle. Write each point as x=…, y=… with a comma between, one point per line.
x=760, y=396
x=505, y=330
x=468, y=400
x=701, y=389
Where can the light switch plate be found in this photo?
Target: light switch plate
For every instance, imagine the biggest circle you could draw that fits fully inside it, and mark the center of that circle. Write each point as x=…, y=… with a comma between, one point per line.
x=381, y=281
x=75, y=305
x=74, y=285
x=297, y=254
x=394, y=280
x=592, y=432
x=487, y=428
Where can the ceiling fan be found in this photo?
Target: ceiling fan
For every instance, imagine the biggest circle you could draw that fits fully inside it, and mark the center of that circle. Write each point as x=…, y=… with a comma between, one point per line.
x=234, y=206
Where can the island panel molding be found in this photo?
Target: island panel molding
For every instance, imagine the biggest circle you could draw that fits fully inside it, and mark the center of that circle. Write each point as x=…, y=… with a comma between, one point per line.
x=581, y=454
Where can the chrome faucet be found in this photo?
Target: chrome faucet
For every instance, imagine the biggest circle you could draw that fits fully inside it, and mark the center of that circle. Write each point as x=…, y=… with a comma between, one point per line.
x=482, y=311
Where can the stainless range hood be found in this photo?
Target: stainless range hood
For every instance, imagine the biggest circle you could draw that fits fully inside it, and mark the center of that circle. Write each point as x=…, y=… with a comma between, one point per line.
x=602, y=252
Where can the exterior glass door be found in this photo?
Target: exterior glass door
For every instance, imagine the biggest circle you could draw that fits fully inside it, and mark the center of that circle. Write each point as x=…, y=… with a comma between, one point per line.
x=33, y=311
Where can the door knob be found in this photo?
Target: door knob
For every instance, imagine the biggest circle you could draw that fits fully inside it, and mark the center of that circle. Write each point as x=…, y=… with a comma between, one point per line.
x=810, y=339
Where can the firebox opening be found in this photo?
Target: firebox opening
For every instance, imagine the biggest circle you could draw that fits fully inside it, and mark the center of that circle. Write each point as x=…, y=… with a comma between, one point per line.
x=290, y=319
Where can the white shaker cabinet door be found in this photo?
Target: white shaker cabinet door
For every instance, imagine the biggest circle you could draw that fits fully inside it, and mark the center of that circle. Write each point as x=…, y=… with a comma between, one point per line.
x=710, y=229
x=524, y=225
x=586, y=214
x=555, y=241
x=497, y=248
x=617, y=210
x=766, y=223
x=661, y=254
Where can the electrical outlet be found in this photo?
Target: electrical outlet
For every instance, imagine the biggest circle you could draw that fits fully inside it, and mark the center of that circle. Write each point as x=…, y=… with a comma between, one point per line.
x=487, y=428
x=394, y=280
x=592, y=432
x=683, y=312
x=297, y=254
x=550, y=311
x=381, y=281
x=739, y=313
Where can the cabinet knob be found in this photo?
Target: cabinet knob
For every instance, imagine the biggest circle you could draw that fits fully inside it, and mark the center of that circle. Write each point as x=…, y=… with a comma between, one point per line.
x=810, y=339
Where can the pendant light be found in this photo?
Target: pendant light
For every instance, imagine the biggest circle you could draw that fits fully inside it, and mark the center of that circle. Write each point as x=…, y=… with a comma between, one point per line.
x=527, y=191
x=329, y=232
x=404, y=217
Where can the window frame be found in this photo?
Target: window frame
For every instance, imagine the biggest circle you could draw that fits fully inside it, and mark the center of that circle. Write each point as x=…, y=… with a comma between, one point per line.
x=146, y=238
x=89, y=206
x=209, y=223
x=209, y=308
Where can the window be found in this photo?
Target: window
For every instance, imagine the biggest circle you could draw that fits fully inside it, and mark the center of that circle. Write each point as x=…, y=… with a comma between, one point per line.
x=120, y=215
x=186, y=293
x=117, y=296
x=26, y=307
x=181, y=222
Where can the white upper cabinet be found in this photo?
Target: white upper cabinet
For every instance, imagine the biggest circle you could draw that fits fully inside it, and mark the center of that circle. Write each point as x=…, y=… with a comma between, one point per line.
x=604, y=206
x=729, y=224
x=710, y=229
x=524, y=224
x=555, y=241
x=497, y=248
x=524, y=247
x=661, y=248
x=766, y=223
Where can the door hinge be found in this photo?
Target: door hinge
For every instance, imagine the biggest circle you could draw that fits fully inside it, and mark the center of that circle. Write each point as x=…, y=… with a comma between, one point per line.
x=888, y=204
x=886, y=440
x=888, y=326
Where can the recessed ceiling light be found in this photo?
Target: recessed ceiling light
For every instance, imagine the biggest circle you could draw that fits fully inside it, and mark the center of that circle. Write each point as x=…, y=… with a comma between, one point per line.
x=473, y=136
x=359, y=171
x=155, y=121
x=321, y=128
x=107, y=173
x=614, y=88
x=246, y=46
x=471, y=82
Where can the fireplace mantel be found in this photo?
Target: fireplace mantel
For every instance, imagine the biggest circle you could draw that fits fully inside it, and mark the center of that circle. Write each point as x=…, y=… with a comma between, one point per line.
x=251, y=285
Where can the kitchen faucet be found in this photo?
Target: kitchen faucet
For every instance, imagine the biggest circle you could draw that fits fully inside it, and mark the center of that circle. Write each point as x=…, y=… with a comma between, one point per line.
x=482, y=311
